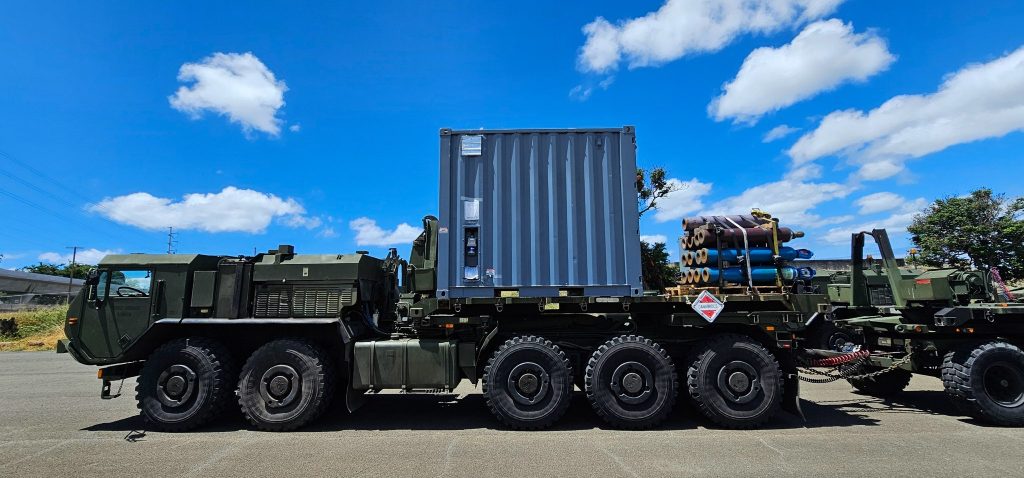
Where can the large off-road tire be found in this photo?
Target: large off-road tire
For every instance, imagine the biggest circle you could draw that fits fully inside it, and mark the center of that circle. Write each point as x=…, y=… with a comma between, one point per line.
x=631, y=382
x=184, y=384
x=285, y=384
x=527, y=383
x=735, y=381
x=882, y=385
x=987, y=382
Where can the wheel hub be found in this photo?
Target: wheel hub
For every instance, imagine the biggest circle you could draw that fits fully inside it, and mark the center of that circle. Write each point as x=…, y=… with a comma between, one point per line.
x=1004, y=383
x=175, y=385
x=632, y=382
x=739, y=382
x=528, y=383
x=279, y=386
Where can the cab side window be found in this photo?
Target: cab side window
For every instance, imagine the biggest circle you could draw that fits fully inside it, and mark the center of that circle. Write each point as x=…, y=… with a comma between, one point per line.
x=101, y=285
x=130, y=283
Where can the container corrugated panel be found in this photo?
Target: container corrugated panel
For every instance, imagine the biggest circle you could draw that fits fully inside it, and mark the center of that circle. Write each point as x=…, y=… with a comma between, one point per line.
x=542, y=213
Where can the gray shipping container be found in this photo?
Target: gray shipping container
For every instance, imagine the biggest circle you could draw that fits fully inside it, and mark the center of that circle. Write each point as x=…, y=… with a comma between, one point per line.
x=544, y=213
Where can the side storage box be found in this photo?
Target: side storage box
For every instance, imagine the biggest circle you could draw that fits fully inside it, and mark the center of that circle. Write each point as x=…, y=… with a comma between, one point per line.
x=405, y=364
x=538, y=213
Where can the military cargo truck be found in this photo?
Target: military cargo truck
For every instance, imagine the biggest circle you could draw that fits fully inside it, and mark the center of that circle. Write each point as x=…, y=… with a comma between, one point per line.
x=527, y=284
x=958, y=325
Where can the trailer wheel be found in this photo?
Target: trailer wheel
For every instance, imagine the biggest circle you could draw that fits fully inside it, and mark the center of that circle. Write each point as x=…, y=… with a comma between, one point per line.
x=883, y=385
x=285, y=384
x=735, y=382
x=631, y=382
x=527, y=383
x=184, y=384
x=987, y=382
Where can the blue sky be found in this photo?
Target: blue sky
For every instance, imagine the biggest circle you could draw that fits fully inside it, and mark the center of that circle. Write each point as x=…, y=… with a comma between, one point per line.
x=316, y=124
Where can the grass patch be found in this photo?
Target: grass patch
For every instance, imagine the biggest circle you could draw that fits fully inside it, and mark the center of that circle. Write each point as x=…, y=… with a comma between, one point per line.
x=38, y=329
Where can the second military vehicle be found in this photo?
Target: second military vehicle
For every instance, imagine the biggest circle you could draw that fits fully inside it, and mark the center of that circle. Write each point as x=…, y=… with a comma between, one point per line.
x=962, y=326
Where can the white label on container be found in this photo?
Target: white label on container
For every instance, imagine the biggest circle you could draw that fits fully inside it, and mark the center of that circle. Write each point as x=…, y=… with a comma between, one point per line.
x=472, y=145
x=471, y=209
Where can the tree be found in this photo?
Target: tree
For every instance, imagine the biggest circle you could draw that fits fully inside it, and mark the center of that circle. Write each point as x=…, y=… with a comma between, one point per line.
x=63, y=270
x=981, y=230
x=650, y=187
x=658, y=272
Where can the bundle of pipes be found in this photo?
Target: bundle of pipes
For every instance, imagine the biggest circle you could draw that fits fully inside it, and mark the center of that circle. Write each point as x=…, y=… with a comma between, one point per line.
x=759, y=275
x=758, y=255
x=743, y=249
x=759, y=236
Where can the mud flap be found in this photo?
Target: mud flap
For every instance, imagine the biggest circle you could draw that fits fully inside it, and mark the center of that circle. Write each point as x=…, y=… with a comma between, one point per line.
x=790, y=385
x=791, y=395
x=353, y=398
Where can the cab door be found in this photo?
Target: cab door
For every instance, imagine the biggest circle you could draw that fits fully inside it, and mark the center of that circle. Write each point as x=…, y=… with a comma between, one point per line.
x=123, y=304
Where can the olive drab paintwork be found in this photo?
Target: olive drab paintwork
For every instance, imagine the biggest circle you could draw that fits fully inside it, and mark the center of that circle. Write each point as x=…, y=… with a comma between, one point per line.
x=112, y=316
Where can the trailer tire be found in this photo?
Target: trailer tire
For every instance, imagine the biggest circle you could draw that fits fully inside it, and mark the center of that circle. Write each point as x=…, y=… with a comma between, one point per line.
x=736, y=382
x=631, y=382
x=528, y=383
x=184, y=384
x=987, y=382
x=285, y=384
x=883, y=385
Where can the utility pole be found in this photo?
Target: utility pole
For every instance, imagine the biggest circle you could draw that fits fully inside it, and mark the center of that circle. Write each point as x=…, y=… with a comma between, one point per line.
x=71, y=270
x=170, y=240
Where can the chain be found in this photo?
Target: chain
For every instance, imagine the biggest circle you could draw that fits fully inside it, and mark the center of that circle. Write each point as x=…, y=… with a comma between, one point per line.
x=846, y=371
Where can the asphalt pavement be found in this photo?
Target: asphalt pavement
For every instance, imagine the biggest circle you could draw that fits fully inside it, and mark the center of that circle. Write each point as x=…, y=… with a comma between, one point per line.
x=53, y=423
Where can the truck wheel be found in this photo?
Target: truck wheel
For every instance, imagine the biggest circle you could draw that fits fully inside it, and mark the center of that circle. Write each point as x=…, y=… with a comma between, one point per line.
x=735, y=382
x=987, y=382
x=884, y=385
x=527, y=383
x=184, y=383
x=285, y=384
x=631, y=382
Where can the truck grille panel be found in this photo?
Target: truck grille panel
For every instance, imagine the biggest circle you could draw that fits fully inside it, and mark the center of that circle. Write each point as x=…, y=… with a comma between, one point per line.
x=315, y=303
x=273, y=303
x=300, y=302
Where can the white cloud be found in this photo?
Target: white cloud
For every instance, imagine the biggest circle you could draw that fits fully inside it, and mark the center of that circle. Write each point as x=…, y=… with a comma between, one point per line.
x=235, y=85
x=683, y=27
x=90, y=256
x=684, y=200
x=878, y=202
x=368, y=233
x=583, y=92
x=894, y=224
x=231, y=210
x=654, y=238
x=792, y=199
x=295, y=128
x=779, y=132
x=296, y=220
x=823, y=56
x=580, y=92
x=327, y=233
x=978, y=102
